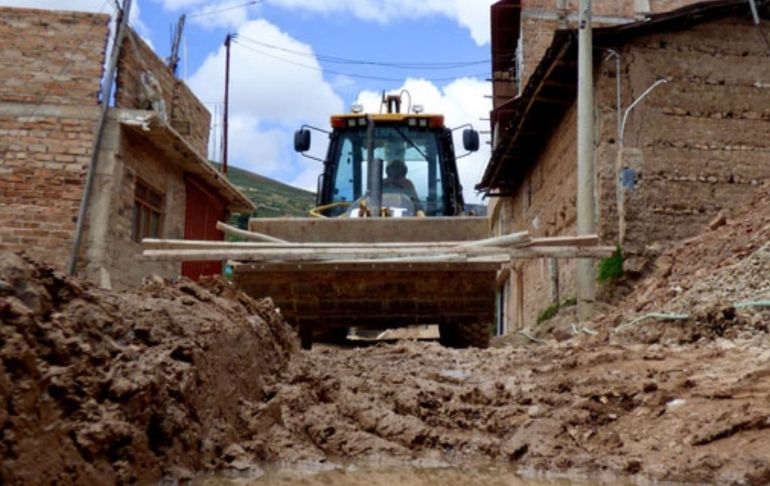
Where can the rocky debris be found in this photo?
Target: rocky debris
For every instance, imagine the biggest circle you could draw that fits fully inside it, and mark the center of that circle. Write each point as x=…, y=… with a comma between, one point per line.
x=720, y=279
x=102, y=387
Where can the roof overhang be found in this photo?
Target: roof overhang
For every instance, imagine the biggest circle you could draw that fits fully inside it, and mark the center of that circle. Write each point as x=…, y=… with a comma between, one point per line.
x=177, y=151
x=527, y=122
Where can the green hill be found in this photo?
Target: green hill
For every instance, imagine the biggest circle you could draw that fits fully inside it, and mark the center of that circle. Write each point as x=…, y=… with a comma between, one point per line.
x=272, y=198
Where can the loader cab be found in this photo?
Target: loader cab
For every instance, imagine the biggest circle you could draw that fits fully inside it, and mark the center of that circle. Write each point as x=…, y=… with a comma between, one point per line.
x=422, y=143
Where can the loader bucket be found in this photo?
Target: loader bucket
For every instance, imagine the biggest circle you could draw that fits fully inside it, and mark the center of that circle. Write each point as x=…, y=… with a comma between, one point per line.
x=319, y=297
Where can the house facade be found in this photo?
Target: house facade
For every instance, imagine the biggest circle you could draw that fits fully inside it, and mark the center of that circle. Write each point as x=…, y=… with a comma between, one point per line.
x=694, y=145
x=151, y=178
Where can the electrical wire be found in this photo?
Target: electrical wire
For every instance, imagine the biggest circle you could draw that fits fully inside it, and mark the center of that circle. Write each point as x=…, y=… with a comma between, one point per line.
x=352, y=75
x=343, y=60
x=204, y=13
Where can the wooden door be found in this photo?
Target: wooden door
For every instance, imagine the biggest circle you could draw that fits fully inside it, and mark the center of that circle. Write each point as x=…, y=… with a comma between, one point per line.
x=204, y=209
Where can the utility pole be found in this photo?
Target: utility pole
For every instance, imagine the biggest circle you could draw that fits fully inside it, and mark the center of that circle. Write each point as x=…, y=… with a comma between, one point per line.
x=106, y=90
x=586, y=225
x=228, y=41
x=173, y=60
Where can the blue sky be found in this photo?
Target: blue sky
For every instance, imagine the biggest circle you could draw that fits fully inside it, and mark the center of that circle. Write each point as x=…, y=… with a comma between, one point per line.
x=271, y=95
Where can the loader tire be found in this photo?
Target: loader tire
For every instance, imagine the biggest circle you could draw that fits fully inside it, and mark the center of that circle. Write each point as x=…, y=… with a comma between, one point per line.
x=475, y=335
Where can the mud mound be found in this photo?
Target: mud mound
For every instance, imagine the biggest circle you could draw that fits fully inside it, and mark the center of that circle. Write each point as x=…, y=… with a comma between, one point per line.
x=101, y=387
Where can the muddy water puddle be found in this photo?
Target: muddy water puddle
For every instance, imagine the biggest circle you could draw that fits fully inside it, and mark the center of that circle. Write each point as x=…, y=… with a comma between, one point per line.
x=388, y=476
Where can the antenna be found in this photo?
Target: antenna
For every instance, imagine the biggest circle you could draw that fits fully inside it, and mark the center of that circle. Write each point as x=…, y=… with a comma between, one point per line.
x=173, y=60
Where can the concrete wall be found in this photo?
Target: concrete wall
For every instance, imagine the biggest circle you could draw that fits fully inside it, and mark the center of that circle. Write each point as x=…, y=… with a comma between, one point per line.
x=185, y=112
x=113, y=257
x=696, y=146
x=50, y=70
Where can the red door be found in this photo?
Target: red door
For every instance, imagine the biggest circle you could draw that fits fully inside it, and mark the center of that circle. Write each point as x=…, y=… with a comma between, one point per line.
x=204, y=209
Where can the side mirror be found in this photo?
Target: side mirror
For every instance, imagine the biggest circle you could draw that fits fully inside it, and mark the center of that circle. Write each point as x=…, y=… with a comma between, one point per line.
x=470, y=140
x=302, y=140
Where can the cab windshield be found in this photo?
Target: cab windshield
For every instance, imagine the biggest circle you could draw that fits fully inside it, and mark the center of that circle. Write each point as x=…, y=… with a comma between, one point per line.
x=416, y=148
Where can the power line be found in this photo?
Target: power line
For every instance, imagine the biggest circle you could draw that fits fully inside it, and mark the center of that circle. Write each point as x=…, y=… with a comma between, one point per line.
x=352, y=75
x=226, y=9
x=343, y=60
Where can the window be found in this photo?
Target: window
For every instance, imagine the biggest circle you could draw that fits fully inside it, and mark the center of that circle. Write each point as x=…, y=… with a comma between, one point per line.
x=416, y=147
x=148, y=206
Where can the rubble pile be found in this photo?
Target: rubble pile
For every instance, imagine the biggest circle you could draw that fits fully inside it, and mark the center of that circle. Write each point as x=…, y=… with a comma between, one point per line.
x=101, y=387
x=716, y=284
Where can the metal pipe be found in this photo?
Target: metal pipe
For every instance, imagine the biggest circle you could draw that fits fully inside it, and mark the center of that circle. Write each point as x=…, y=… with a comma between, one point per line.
x=374, y=173
x=586, y=281
x=621, y=135
x=109, y=81
x=228, y=42
x=618, y=101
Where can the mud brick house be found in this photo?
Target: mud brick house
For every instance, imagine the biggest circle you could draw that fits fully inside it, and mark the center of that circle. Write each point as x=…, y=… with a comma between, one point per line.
x=694, y=146
x=152, y=177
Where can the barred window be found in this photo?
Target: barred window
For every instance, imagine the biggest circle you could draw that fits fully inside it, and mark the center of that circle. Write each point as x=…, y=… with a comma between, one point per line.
x=148, y=207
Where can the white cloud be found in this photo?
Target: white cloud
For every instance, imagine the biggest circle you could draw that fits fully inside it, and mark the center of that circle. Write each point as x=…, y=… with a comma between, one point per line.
x=269, y=99
x=470, y=14
x=460, y=102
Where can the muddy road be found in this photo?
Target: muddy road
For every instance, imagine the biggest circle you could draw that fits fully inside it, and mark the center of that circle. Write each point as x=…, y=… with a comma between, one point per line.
x=645, y=411
x=180, y=380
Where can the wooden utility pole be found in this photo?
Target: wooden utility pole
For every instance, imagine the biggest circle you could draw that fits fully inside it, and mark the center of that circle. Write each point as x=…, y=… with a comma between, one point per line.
x=586, y=275
x=228, y=41
x=106, y=91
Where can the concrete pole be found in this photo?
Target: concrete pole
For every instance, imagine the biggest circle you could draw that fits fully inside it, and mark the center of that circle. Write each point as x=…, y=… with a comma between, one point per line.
x=586, y=225
x=106, y=91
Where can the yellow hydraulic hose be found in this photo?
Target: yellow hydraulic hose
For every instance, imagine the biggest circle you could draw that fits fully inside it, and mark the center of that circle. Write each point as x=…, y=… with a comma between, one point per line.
x=316, y=212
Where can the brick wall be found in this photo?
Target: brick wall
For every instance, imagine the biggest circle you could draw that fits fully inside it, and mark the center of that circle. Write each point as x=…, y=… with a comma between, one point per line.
x=50, y=68
x=51, y=57
x=185, y=112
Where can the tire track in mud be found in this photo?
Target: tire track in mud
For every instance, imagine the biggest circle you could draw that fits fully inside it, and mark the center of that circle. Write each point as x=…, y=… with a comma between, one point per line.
x=647, y=411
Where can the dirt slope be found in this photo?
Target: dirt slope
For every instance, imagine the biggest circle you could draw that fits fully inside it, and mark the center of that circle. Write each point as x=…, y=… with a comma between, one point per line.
x=100, y=387
x=720, y=279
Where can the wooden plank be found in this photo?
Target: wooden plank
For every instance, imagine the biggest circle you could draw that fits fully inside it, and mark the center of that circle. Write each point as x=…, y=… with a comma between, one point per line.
x=585, y=240
x=248, y=235
x=162, y=244
x=300, y=255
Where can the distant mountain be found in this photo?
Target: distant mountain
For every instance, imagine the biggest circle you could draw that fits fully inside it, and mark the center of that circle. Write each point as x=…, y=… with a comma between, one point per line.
x=272, y=198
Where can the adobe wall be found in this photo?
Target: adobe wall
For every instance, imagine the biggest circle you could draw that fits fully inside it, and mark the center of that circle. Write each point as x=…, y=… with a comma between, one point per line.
x=186, y=114
x=545, y=206
x=694, y=146
x=49, y=84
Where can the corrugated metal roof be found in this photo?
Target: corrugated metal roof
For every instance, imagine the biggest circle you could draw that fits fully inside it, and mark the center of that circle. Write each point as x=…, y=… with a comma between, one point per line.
x=531, y=118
